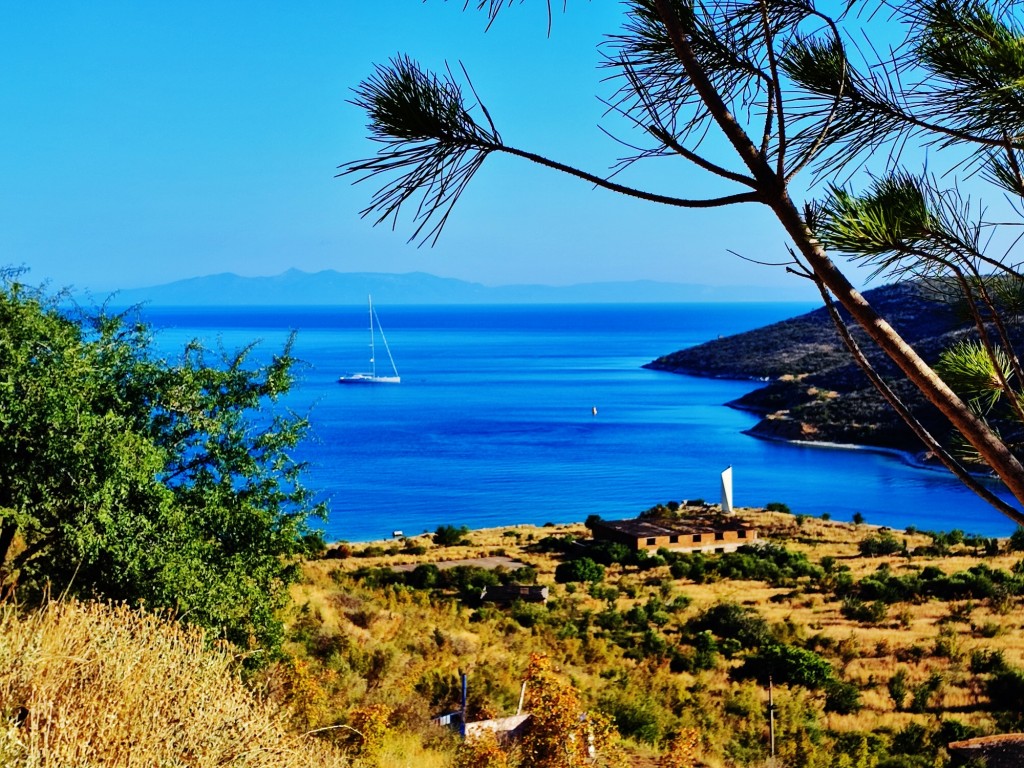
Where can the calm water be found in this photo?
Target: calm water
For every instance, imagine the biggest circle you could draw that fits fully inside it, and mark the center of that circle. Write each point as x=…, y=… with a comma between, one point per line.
x=492, y=423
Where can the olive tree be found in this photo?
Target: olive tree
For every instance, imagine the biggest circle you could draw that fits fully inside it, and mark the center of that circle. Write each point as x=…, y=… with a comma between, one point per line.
x=127, y=477
x=801, y=102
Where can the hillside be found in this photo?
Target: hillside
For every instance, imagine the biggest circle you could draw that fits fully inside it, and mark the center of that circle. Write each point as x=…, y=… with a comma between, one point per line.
x=885, y=645
x=815, y=391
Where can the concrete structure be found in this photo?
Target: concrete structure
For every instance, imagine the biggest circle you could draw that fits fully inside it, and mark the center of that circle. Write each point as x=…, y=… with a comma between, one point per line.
x=507, y=729
x=727, y=491
x=688, y=534
x=1002, y=751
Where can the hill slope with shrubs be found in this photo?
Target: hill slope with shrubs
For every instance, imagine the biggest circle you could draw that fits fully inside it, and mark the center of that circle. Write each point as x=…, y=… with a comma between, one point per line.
x=883, y=646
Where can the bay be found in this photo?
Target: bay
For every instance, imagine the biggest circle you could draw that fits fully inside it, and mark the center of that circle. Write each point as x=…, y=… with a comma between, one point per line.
x=493, y=422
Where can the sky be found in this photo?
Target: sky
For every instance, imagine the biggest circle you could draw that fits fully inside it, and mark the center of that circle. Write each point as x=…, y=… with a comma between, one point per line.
x=149, y=142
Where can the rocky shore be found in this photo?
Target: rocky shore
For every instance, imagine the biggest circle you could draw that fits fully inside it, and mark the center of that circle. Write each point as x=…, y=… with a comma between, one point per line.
x=813, y=390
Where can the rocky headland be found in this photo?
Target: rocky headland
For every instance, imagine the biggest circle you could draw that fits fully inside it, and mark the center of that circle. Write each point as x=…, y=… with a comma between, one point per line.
x=814, y=391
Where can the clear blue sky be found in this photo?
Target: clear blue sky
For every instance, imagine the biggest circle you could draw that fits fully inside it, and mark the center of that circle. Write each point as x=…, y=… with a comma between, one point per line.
x=147, y=142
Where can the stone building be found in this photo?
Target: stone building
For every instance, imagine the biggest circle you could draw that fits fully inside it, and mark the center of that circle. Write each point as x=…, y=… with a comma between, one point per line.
x=690, y=534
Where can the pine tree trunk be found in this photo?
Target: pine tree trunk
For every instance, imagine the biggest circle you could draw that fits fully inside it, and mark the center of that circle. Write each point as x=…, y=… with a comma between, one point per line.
x=773, y=193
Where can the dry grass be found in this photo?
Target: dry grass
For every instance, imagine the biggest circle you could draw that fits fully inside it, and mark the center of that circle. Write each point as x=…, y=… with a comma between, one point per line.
x=866, y=654
x=85, y=684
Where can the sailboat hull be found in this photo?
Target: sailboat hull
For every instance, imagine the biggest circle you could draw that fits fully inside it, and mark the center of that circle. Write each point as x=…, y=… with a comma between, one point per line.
x=368, y=378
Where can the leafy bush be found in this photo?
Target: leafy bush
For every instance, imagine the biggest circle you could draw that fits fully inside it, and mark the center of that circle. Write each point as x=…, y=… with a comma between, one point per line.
x=582, y=569
x=638, y=717
x=467, y=580
x=1005, y=690
x=1016, y=542
x=609, y=552
x=777, y=506
x=449, y=535
x=730, y=620
x=921, y=695
x=898, y=688
x=788, y=664
x=165, y=484
x=371, y=551
x=869, y=613
x=842, y=698
x=528, y=614
x=880, y=544
x=424, y=576
x=554, y=544
x=767, y=562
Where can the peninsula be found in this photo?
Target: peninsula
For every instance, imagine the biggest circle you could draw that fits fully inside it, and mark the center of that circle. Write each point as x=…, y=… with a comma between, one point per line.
x=814, y=391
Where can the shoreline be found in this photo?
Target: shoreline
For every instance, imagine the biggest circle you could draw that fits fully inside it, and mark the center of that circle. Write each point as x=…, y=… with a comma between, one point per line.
x=913, y=459
x=493, y=534
x=907, y=457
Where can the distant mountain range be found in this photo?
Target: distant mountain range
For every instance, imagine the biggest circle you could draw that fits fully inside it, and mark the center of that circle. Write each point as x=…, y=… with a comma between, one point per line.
x=329, y=287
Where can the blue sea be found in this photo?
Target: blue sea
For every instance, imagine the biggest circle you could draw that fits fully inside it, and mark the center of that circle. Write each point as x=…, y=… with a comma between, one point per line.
x=493, y=422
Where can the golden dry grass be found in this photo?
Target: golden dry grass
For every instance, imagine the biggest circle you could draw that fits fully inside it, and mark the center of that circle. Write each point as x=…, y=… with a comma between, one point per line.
x=85, y=684
x=866, y=654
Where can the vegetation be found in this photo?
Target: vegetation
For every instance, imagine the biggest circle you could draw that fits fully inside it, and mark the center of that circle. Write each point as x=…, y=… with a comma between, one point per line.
x=791, y=93
x=640, y=663
x=876, y=659
x=125, y=476
x=450, y=535
x=88, y=684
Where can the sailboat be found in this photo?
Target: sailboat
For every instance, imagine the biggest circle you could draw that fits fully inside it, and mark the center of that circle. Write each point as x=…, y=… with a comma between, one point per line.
x=372, y=377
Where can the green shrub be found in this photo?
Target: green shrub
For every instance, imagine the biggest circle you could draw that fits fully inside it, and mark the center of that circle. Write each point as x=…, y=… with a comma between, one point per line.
x=1006, y=690
x=880, y=544
x=582, y=569
x=449, y=535
x=528, y=614
x=639, y=718
x=868, y=613
x=733, y=621
x=1016, y=542
x=424, y=576
x=788, y=664
x=898, y=688
x=842, y=698
x=921, y=695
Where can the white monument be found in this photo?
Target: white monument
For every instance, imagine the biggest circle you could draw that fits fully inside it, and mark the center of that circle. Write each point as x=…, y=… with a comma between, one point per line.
x=727, y=491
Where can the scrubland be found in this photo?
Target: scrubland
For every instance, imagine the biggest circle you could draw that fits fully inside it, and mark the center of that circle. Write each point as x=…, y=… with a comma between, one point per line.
x=882, y=646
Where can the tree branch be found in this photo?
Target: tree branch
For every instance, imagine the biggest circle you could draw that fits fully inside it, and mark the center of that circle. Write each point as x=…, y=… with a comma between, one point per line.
x=742, y=197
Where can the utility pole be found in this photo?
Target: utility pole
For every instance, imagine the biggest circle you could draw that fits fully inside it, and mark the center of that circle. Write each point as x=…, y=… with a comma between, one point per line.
x=771, y=719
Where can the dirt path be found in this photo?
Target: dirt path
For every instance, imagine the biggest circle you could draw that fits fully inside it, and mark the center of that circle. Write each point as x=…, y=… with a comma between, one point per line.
x=490, y=563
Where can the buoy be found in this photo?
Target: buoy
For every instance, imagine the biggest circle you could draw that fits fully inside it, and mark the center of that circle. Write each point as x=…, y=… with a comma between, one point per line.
x=594, y=410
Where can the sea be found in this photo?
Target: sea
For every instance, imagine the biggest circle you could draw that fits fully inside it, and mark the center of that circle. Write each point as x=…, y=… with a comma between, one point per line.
x=544, y=414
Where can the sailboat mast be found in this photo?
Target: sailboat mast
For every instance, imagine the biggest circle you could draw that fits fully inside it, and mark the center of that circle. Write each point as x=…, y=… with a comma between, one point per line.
x=373, y=355
x=384, y=338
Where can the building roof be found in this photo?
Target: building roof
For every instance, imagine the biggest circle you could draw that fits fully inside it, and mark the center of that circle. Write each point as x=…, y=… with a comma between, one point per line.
x=643, y=528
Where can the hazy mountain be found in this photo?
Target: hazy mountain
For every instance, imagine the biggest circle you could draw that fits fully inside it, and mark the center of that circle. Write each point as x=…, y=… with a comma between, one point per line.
x=328, y=287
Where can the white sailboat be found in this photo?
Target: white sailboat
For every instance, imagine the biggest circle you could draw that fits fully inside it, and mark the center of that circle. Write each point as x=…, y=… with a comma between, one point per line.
x=372, y=377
